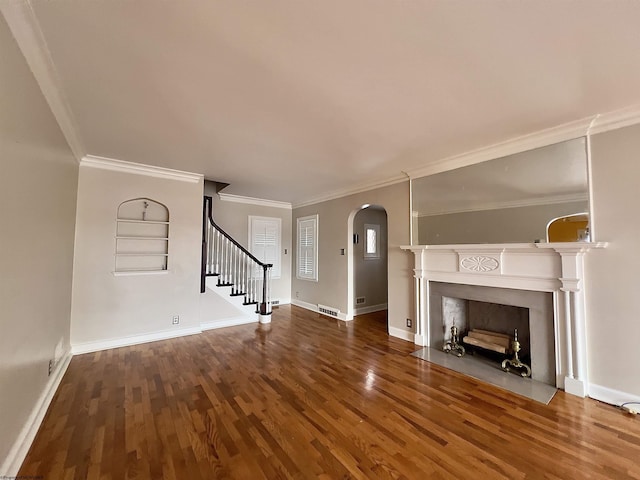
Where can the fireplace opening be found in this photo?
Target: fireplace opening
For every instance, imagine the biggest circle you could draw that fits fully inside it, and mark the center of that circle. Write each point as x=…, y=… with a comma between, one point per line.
x=487, y=329
x=499, y=311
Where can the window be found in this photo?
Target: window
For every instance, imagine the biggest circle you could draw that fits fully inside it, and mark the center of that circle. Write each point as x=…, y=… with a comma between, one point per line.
x=372, y=241
x=264, y=241
x=307, y=255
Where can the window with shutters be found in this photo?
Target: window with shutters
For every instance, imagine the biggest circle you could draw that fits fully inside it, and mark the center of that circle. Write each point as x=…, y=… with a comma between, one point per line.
x=264, y=242
x=307, y=255
x=372, y=241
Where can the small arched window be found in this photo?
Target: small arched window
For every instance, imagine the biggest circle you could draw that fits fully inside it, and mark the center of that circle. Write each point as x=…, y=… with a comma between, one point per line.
x=142, y=236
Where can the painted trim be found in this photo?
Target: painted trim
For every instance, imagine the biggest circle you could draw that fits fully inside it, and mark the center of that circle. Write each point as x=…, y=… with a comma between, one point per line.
x=314, y=308
x=611, y=396
x=359, y=188
x=370, y=309
x=228, y=197
x=139, y=169
x=548, y=136
x=228, y=322
x=624, y=117
x=26, y=29
x=88, y=347
x=22, y=444
x=402, y=334
x=513, y=204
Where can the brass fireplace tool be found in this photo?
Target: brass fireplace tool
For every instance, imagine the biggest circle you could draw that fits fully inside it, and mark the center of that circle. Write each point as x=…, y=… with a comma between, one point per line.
x=454, y=346
x=515, y=361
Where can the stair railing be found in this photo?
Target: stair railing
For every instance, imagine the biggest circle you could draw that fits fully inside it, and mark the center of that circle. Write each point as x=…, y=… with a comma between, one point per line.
x=234, y=265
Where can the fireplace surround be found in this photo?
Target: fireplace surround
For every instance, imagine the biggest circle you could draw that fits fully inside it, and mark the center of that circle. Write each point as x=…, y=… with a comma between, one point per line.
x=556, y=268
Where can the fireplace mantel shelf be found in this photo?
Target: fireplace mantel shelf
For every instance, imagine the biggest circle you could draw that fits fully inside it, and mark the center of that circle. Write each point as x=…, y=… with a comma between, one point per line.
x=501, y=247
x=543, y=267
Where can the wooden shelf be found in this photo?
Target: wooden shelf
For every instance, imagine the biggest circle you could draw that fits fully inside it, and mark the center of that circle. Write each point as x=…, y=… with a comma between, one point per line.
x=141, y=254
x=127, y=220
x=141, y=238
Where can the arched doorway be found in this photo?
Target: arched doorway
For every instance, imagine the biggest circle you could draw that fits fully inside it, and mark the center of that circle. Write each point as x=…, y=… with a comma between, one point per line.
x=367, y=284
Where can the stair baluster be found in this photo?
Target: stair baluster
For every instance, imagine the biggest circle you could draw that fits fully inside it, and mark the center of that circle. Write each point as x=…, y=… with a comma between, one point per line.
x=235, y=266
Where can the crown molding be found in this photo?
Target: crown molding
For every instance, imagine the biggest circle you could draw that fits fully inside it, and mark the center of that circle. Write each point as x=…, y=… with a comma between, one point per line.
x=139, y=169
x=624, y=117
x=228, y=197
x=361, y=187
x=549, y=136
x=598, y=123
x=531, y=202
x=24, y=26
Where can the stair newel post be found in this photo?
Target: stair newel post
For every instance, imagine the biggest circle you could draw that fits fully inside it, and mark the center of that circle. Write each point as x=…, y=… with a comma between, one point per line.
x=264, y=301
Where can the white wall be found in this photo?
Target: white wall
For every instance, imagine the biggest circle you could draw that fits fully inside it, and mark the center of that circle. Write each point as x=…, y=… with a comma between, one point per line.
x=332, y=285
x=111, y=308
x=233, y=218
x=613, y=311
x=38, y=184
x=370, y=273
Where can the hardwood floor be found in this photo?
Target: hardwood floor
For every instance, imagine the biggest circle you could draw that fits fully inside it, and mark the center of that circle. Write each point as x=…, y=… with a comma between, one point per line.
x=312, y=397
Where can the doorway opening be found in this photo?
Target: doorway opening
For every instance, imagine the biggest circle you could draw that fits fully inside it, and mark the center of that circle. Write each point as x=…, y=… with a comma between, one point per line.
x=367, y=263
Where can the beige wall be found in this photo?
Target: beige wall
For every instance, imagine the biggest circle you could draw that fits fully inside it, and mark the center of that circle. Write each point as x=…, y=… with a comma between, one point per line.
x=332, y=285
x=38, y=185
x=612, y=282
x=233, y=218
x=504, y=225
x=370, y=273
x=108, y=307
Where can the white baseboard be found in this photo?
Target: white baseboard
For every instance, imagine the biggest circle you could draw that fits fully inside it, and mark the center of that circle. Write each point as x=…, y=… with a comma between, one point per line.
x=611, y=396
x=314, y=308
x=88, y=347
x=402, y=334
x=229, y=322
x=20, y=448
x=370, y=309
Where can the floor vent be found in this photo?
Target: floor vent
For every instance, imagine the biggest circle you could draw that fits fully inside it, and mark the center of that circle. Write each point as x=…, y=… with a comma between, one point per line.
x=328, y=310
x=360, y=300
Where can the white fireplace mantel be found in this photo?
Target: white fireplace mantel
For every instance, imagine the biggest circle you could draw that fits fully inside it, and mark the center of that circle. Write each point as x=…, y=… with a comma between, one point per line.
x=543, y=267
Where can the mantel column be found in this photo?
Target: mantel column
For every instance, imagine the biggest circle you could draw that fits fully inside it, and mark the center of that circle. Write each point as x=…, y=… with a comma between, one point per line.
x=576, y=381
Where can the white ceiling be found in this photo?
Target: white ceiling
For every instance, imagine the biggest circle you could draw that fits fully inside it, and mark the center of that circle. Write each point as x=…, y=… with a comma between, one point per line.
x=290, y=99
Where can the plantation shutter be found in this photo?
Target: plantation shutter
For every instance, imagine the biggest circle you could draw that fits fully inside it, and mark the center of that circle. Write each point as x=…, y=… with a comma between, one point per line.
x=308, y=248
x=265, y=241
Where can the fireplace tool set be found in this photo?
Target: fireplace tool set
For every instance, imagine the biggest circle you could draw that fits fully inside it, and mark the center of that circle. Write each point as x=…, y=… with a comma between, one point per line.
x=455, y=347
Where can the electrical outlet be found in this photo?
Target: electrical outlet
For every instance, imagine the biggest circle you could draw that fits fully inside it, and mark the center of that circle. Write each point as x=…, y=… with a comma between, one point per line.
x=297, y=294
x=176, y=319
x=409, y=322
x=50, y=367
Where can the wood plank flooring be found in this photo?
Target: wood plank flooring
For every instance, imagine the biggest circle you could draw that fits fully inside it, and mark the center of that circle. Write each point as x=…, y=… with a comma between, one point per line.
x=313, y=397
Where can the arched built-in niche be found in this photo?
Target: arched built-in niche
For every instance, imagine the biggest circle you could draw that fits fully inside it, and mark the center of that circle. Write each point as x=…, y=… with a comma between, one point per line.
x=142, y=236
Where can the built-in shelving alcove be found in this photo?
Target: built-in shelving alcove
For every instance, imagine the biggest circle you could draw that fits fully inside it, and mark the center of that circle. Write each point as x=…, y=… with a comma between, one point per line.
x=142, y=237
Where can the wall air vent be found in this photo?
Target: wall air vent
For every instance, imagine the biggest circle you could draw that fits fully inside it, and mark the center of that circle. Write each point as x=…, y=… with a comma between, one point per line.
x=332, y=312
x=275, y=302
x=360, y=300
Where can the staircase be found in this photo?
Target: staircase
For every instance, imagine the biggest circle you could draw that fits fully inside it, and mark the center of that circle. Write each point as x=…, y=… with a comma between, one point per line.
x=238, y=272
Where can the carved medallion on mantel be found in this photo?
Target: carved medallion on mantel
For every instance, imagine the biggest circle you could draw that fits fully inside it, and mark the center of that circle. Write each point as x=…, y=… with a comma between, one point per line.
x=479, y=263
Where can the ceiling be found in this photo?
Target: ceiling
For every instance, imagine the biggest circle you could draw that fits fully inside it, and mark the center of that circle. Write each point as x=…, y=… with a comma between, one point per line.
x=290, y=99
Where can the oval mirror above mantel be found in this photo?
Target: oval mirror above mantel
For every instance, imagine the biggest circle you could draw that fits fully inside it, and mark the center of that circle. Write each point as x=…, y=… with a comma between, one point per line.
x=506, y=200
